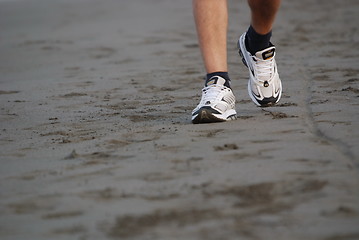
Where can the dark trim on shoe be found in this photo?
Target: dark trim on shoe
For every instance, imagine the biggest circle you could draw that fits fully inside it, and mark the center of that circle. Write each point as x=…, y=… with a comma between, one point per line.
x=205, y=115
x=267, y=102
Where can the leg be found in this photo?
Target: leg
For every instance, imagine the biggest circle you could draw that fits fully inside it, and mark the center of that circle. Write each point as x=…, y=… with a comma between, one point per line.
x=218, y=102
x=258, y=54
x=211, y=18
x=263, y=14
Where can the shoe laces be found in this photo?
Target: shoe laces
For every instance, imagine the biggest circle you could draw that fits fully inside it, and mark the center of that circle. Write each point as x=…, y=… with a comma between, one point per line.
x=211, y=93
x=264, y=69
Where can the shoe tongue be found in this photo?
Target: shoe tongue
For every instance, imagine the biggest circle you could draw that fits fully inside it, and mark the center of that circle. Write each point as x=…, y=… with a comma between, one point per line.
x=266, y=54
x=215, y=80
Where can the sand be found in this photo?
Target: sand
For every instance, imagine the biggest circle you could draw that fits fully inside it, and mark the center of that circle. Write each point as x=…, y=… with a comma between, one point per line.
x=97, y=143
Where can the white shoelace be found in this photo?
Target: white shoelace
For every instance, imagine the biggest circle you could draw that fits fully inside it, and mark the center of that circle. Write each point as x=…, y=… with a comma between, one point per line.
x=211, y=93
x=264, y=68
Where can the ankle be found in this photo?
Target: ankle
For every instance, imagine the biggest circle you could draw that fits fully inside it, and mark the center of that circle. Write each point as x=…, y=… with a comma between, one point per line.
x=223, y=75
x=256, y=42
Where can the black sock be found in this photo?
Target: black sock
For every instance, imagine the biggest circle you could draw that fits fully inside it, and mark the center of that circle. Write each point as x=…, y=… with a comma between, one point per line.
x=256, y=42
x=220, y=74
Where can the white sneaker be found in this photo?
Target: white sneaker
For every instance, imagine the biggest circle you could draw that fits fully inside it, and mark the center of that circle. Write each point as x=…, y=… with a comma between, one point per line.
x=264, y=85
x=217, y=103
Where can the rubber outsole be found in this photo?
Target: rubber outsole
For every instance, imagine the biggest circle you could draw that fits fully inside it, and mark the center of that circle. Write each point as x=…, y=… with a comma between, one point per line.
x=205, y=115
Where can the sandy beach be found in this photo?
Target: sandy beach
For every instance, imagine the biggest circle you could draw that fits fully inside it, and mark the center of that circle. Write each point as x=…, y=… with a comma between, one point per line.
x=96, y=140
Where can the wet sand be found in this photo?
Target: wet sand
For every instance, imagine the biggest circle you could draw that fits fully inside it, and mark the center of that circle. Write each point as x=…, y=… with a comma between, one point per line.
x=96, y=139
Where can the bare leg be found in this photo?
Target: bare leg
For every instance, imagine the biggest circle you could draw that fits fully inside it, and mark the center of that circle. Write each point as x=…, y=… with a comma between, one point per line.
x=263, y=14
x=211, y=18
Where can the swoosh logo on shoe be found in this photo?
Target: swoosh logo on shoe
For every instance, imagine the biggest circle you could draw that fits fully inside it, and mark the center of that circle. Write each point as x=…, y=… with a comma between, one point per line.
x=258, y=96
x=276, y=91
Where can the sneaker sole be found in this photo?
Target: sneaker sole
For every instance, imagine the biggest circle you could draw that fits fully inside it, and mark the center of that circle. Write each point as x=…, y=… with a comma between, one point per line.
x=205, y=115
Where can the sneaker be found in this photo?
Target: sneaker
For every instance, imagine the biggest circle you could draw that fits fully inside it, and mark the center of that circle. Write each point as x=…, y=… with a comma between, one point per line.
x=217, y=103
x=264, y=85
